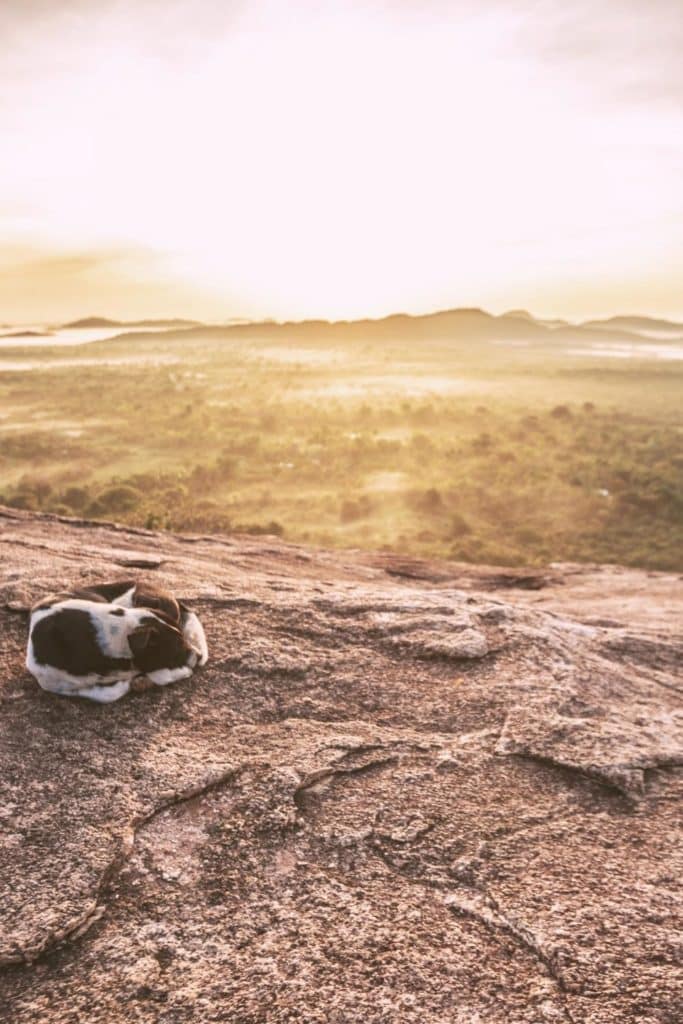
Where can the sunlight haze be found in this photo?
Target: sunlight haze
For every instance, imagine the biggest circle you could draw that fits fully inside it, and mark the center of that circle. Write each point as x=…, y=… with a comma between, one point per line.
x=339, y=160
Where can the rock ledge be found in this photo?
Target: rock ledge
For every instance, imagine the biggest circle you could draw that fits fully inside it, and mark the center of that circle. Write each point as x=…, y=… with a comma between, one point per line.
x=401, y=792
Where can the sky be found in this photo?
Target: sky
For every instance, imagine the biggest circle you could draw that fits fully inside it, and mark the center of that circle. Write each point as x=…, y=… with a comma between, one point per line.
x=220, y=159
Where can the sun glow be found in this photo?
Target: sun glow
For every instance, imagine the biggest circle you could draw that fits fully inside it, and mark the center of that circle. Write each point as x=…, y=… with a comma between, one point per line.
x=344, y=164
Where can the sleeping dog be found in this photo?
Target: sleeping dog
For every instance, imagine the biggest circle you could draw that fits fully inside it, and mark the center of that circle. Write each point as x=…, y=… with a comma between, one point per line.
x=92, y=642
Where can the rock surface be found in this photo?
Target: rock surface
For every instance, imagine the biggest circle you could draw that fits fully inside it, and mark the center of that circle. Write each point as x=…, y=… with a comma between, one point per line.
x=400, y=792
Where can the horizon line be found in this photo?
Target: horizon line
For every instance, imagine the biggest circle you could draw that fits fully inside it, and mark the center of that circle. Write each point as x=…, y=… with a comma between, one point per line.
x=517, y=313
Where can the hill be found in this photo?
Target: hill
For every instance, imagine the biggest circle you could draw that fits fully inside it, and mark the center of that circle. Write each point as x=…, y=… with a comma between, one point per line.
x=637, y=324
x=92, y=321
x=27, y=334
x=401, y=790
x=469, y=325
x=100, y=321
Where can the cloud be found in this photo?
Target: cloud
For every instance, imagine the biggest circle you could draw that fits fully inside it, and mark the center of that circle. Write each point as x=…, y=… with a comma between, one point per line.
x=42, y=286
x=621, y=50
x=34, y=262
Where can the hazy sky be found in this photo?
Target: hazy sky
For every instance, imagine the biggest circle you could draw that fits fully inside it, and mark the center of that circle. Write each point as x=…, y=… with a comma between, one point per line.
x=217, y=159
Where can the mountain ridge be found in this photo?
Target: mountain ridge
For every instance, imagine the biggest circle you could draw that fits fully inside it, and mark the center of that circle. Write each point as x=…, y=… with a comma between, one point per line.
x=470, y=323
x=101, y=321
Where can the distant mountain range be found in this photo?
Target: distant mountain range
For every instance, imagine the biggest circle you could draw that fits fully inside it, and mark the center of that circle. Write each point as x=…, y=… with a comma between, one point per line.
x=101, y=321
x=467, y=324
x=639, y=324
x=464, y=324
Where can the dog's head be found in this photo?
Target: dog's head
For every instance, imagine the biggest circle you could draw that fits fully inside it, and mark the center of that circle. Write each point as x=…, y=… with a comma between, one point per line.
x=156, y=642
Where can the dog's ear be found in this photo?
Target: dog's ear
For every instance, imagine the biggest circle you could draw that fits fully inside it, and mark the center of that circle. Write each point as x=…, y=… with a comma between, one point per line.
x=139, y=639
x=166, y=620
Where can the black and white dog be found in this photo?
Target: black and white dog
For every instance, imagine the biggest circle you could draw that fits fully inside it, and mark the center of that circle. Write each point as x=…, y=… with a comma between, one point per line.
x=94, y=641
